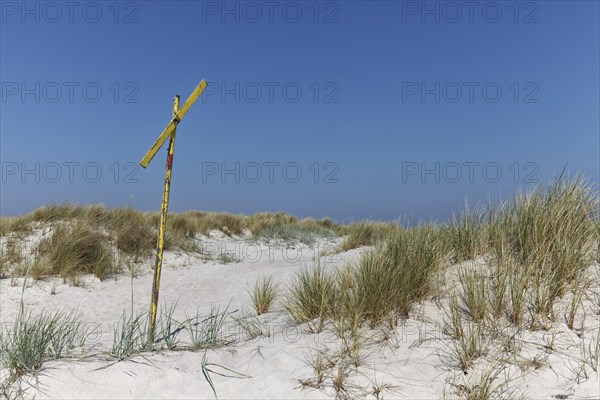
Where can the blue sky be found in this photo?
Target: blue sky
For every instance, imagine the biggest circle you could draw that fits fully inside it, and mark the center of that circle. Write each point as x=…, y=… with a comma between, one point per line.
x=386, y=109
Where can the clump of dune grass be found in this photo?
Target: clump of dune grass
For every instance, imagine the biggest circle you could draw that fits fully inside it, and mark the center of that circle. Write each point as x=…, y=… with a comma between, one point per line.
x=579, y=289
x=185, y=224
x=264, y=293
x=359, y=235
x=340, y=377
x=182, y=230
x=488, y=384
x=554, y=225
x=564, y=208
x=207, y=331
x=59, y=212
x=261, y=225
x=381, y=287
x=4, y=265
x=23, y=224
x=252, y=326
x=311, y=295
x=321, y=362
x=466, y=235
x=174, y=241
x=398, y=272
x=502, y=267
x=367, y=233
x=453, y=326
x=169, y=326
x=133, y=232
x=11, y=256
x=469, y=346
x=302, y=232
x=74, y=250
x=468, y=337
x=373, y=292
x=258, y=221
x=14, y=225
x=518, y=295
x=539, y=245
x=545, y=240
x=33, y=340
x=590, y=354
x=12, y=259
x=13, y=251
x=328, y=223
x=230, y=224
x=474, y=294
x=352, y=344
x=130, y=335
x=349, y=312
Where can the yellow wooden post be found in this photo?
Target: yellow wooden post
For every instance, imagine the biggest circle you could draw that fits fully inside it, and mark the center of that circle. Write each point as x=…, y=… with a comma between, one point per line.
x=161, y=230
x=169, y=132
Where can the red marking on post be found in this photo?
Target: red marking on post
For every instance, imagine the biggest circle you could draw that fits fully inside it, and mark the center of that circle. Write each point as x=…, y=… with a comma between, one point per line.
x=170, y=161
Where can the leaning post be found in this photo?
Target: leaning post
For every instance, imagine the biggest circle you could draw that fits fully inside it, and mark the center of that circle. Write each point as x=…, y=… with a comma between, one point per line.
x=168, y=133
x=160, y=245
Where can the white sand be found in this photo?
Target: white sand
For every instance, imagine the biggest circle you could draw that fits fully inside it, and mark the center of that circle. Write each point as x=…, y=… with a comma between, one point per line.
x=414, y=363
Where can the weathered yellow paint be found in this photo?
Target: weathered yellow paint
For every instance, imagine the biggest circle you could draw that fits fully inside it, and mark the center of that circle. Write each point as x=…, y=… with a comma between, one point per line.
x=169, y=132
x=161, y=230
x=177, y=117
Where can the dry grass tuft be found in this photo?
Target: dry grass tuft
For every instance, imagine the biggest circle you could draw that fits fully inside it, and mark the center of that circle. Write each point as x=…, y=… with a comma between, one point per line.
x=311, y=296
x=380, y=288
x=133, y=232
x=466, y=236
x=367, y=233
x=398, y=272
x=474, y=294
x=264, y=293
x=75, y=250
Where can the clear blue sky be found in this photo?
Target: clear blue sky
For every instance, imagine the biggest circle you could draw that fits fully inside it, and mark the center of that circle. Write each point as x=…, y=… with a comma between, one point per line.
x=374, y=92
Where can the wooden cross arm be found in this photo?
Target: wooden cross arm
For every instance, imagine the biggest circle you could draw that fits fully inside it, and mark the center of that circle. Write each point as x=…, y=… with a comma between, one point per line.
x=173, y=124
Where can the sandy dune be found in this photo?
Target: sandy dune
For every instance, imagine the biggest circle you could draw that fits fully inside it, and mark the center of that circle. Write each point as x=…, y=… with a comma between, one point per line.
x=412, y=361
